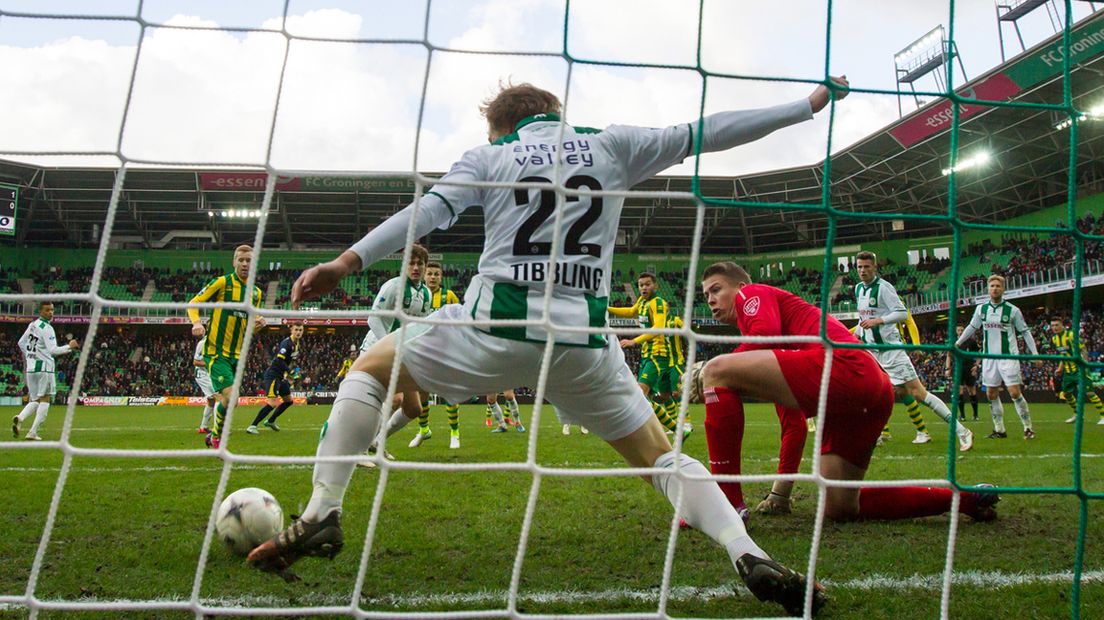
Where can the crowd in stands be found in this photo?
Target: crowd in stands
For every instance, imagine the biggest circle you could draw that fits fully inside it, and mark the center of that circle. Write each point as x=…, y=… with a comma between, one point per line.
x=180, y=285
x=137, y=362
x=144, y=362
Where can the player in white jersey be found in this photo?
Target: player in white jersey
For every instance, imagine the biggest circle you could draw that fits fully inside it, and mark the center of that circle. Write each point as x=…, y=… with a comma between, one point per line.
x=203, y=380
x=880, y=310
x=39, y=347
x=415, y=300
x=588, y=380
x=1000, y=323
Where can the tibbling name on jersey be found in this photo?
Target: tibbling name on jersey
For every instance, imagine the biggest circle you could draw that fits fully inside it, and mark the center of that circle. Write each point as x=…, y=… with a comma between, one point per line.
x=574, y=153
x=563, y=273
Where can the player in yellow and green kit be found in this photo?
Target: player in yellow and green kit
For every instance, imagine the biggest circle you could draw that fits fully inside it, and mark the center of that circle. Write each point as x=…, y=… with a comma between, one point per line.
x=670, y=390
x=1062, y=341
x=650, y=311
x=439, y=297
x=227, y=330
x=348, y=363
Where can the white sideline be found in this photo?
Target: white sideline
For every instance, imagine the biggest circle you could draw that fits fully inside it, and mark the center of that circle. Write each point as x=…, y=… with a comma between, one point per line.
x=933, y=582
x=247, y=466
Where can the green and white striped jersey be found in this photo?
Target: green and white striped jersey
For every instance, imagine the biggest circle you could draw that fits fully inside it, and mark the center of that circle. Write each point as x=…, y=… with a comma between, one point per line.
x=999, y=324
x=39, y=346
x=520, y=226
x=416, y=301
x=880, y=299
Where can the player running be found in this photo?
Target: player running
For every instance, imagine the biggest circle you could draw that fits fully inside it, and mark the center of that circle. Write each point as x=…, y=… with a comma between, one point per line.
x=276, y=386
x=880, y=310
x=1000, y=323
x=859, y=400
x=39, y=347
x=203, y=380
x=227, y=332
x=588, y=381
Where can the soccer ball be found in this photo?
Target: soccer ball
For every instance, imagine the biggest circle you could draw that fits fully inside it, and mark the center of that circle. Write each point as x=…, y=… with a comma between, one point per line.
x=247, y=518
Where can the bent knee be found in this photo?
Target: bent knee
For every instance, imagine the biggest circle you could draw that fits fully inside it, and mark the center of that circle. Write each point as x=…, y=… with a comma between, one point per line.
x=720, y=372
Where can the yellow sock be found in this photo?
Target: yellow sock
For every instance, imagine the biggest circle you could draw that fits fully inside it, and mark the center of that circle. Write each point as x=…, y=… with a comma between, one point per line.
x=664, y=419
x=423, y=418
x=1095, y=400
x=916, y=417
x=453, y=412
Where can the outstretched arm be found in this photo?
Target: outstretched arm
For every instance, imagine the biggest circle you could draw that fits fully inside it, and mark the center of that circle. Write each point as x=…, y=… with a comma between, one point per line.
x=725, y=130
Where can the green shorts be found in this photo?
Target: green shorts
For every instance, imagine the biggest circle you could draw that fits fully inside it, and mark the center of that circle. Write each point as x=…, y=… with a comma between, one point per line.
x=221, y=370
x=672, y=379
x=651, y=373
x=1069, y=384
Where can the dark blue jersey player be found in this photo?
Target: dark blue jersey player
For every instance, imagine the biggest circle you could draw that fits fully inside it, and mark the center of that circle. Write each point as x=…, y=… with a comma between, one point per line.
x=276, y=386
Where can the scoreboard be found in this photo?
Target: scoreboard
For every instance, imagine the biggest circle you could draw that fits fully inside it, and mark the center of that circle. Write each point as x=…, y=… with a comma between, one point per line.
x=9, y=198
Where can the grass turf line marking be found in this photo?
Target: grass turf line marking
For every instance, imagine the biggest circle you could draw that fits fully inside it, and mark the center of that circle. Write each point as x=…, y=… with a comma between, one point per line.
x=247, y=466
x=934, y=582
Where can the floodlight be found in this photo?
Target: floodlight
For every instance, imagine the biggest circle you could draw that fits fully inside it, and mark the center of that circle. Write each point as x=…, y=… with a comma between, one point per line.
x=966, y=163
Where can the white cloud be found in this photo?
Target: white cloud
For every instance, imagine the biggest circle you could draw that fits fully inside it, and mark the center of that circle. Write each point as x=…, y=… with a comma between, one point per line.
x=208, y=96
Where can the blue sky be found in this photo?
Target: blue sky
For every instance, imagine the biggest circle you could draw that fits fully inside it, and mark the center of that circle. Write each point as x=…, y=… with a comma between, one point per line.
x=208, y=97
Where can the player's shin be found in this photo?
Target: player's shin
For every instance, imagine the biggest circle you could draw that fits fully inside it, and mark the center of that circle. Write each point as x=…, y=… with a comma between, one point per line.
x=220, y=417
x=996, y=410
x=914, y=413
x=31, y=407
x=724, y=435
x=423, y=417
x=262, y=414
x=397, y=422
x=350, y=429
x=453, y=412
x=40, y=417
x=1023, y=411
x=280, y=409
x=704, y=506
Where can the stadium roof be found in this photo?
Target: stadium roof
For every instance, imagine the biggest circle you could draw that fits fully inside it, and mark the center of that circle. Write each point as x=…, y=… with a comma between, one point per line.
x=897, y=170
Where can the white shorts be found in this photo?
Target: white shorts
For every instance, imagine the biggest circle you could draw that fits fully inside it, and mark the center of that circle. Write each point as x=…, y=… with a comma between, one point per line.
x=995, y=372
x=369, y=340
x=897, y=365
x=589, y=387
x=40, y=384
x=204, y=383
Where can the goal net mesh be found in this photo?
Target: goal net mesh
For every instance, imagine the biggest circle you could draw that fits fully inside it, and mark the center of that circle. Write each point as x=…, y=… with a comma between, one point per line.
x=201, y=606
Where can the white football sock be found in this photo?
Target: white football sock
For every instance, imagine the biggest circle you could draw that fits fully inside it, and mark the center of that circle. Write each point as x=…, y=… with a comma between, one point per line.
x=31, y=407
x=941, y=409
x=1023, y=411
x=937, y=405
x=497, y=413
x=514, y=410
x=996, y=409
x=397, y=422
x=40, y=417
x=208, y=411
x=705, y=507
x=352, y=426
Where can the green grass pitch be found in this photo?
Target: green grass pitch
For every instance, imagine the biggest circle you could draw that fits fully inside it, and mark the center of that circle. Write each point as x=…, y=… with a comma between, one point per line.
x=132, y=528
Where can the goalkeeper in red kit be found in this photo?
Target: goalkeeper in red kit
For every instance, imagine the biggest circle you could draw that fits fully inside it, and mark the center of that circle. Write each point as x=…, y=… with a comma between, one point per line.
x=859, y=400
